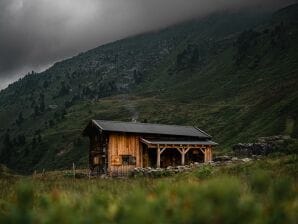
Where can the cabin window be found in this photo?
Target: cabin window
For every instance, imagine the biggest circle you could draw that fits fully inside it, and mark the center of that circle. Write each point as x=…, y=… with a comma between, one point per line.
x=128, y=160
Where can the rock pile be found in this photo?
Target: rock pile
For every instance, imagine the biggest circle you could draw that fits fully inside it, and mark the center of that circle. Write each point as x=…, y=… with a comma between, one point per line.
x=224, y=160
x=159, y=172
x=170, y=170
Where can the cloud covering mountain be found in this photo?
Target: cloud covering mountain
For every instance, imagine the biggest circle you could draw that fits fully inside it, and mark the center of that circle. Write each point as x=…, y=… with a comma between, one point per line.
x=36, y=33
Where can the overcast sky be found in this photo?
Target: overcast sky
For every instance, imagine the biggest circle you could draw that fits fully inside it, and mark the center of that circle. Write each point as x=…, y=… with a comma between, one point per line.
x=36, y=33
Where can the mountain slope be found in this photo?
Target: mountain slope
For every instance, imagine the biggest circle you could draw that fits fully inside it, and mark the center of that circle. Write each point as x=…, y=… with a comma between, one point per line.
x=232, y=74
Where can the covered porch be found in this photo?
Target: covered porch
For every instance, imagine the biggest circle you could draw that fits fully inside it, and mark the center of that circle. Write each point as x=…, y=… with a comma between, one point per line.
x=184, y=151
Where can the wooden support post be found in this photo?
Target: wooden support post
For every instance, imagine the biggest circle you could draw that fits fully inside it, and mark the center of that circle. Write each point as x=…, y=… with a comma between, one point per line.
x=208, y=154
x=158, y=157
x=183, y=152
x=209, y=159
x=183, y=157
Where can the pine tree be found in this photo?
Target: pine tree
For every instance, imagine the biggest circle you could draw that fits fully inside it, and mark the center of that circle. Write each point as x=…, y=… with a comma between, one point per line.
x=39, y=138
x=20, y=119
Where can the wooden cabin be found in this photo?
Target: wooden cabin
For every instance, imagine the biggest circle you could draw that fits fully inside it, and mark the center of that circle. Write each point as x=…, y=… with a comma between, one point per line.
x=118, y=147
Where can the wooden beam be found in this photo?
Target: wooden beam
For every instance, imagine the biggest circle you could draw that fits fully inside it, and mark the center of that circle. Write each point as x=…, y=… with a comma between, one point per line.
x=203, y=151
x=161, y=151
x=187, y=149
x=179, y=149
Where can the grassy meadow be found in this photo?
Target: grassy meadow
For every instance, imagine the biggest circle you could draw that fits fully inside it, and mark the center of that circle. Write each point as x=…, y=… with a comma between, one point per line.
x=259, y=191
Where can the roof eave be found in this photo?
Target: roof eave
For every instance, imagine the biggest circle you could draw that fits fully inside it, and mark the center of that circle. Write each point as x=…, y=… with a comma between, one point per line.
x=94, y=122
x=148, y=142
x=154, y=133
x=205, y=133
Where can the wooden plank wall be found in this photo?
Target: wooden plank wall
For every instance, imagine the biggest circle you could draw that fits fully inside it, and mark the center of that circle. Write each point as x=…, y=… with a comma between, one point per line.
x=208, y=154
x=123, y=144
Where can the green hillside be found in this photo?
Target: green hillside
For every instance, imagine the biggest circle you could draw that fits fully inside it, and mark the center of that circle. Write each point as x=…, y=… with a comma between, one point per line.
x=234, y=75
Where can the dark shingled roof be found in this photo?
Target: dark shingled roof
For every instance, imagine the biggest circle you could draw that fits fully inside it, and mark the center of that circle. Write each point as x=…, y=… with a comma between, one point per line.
x=146, y=128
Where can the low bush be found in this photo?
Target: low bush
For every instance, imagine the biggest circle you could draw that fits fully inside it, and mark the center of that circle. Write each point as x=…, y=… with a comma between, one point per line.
x=204, y=172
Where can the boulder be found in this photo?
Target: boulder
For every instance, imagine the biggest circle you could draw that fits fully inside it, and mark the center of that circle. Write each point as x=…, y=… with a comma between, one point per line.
x=246, y=160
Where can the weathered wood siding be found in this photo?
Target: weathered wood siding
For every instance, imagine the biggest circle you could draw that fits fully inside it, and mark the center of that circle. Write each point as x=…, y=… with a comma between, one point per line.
x=208, y=154
x=123, y=144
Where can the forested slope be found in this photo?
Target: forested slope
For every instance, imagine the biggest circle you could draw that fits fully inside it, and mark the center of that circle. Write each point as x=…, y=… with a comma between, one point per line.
x=234, y=75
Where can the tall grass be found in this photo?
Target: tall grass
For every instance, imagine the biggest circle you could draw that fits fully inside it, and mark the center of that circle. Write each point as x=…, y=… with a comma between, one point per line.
x=229, y=194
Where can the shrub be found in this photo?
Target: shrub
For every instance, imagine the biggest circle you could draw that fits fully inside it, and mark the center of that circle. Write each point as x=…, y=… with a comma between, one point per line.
x=204, y=172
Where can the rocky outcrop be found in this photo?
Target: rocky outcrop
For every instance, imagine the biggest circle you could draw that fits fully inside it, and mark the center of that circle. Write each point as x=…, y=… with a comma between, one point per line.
x=263, y=146
x=249, y=149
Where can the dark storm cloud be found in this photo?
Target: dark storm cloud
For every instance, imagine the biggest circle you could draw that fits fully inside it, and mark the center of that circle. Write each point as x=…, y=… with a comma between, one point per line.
x=35, y=33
